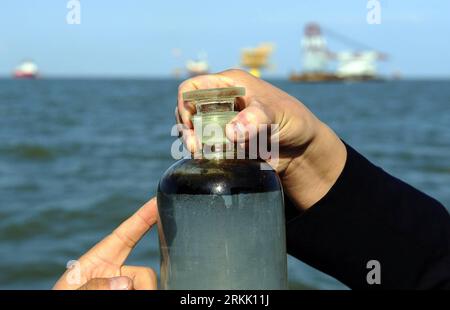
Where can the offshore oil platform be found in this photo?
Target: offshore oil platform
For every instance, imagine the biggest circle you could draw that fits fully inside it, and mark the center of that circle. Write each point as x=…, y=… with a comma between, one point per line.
x=351, y=65
x=319, y=63
x=254, y=59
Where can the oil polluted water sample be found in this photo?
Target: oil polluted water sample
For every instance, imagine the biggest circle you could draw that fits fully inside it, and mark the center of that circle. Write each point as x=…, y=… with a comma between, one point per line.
x=221, y=220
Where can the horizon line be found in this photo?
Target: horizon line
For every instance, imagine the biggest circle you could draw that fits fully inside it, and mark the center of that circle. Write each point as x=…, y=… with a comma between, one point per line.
x=170, y=77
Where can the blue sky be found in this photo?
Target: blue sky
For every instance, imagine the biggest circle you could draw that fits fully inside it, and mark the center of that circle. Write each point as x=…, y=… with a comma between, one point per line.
x=136, y=37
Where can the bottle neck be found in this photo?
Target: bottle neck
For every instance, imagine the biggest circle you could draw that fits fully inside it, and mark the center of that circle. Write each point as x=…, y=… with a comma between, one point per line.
x=210, y=129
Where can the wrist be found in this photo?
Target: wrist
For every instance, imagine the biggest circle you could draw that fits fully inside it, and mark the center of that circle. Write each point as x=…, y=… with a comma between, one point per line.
x=311, y=174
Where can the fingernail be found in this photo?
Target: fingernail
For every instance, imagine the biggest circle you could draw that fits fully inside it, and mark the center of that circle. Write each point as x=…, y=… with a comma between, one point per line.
x=119, y=283
x=191, y=143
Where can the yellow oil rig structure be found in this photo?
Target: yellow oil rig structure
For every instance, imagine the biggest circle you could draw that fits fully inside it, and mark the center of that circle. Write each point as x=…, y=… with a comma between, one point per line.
x=254, y=59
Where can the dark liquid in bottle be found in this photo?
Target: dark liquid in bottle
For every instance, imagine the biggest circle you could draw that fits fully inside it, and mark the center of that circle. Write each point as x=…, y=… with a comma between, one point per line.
x=222, y=226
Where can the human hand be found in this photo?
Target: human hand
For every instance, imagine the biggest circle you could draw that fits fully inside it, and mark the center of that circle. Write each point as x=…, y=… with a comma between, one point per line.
x=102, y=267
x=311, y=155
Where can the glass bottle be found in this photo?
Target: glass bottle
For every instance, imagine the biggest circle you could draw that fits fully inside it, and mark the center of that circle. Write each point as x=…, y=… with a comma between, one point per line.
x=221, y=218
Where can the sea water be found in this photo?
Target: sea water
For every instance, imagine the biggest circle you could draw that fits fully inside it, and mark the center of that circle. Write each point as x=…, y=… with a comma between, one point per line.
x=223, y=242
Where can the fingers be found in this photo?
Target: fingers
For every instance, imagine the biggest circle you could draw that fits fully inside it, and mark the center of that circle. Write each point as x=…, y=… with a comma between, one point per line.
x=143, y=278
x=116, y=283
x=248, y=122
x=116, y=247
x=106, y=258
x=177, y=116
x=190, y=140
x=133, y=277
x=188, y=135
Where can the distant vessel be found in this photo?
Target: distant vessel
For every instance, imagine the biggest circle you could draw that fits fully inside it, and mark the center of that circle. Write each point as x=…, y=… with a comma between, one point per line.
x=257, y=58
x=26, y=70
x=197, y=67
x=316, y=59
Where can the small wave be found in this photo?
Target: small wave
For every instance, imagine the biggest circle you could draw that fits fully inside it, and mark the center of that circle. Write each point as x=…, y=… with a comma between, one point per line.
x=30, y=274
x=30, y=151
x=47, y=223
x=435, y=169
x=25, y=187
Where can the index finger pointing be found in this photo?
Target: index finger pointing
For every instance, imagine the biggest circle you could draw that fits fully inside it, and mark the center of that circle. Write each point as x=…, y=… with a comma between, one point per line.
x=116, y=247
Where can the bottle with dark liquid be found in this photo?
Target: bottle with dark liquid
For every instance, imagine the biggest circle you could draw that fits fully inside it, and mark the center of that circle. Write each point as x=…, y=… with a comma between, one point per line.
x=221, y=218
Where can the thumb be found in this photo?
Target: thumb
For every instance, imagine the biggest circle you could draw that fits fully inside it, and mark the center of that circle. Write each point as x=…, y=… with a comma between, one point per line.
x=116, y=283
x=143, y=278
x=248, y=122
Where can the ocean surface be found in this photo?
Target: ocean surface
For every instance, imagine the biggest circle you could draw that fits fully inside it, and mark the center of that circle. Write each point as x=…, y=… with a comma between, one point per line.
x=79, y=156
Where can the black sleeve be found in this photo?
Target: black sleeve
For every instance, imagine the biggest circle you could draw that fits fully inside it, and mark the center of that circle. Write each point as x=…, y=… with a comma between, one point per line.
x=370, y=215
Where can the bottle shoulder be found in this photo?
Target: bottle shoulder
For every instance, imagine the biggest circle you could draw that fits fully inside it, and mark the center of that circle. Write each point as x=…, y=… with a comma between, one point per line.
x=219, y=176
